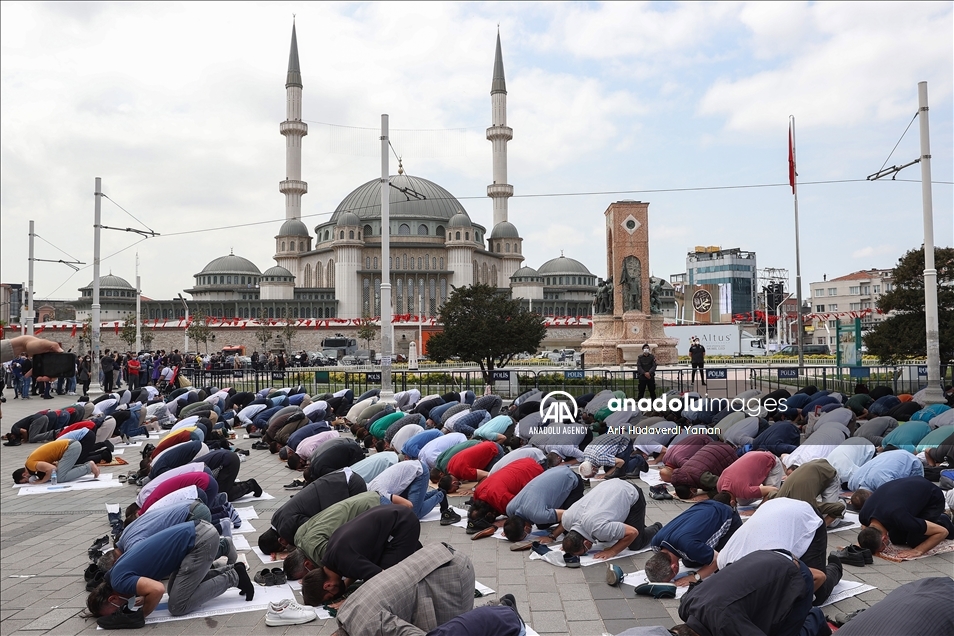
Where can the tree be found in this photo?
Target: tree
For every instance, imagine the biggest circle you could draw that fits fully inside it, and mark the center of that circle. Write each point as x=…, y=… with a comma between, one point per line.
x=289, y=330
x=486, y=327
x=199, y=329
x=903, y=334
x=262, y=333
x=128, y=333
x=367, y=330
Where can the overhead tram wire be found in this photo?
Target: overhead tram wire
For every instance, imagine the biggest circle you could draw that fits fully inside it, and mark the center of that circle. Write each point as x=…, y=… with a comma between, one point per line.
x=563, y=194
x=104, y=258
x=913, y=119
x=129, y=213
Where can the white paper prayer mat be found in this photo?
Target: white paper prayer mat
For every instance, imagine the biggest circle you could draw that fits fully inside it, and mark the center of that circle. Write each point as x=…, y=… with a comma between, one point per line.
x=851, y=517
x=250, y=498
x=118, y=451
x=435, y=515
x=264, y=558
x=133, y=445
x=247, y=513
x=531, y=631
x=651, y=478
x=70, y=486
x=483, y=589
x=112, y=508
x=639, y=577
x=229, y=603
x=533, y=536
x=245, y=528
x=85, y=478
x=240, y=542
x=847, y=589
x=585, y=560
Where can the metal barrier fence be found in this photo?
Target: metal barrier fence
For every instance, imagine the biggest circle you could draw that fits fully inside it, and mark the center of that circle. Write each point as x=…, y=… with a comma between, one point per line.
x=511, y=382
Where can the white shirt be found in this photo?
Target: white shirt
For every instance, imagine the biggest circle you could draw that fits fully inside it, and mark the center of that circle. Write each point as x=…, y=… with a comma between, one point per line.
x=395, y=479
x=848, y=457
x=196, y=467
x=438, y=445
x=781, y=523
x=405, y=433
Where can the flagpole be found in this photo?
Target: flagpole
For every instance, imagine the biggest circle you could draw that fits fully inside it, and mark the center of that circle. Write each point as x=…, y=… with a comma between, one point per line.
x=793, y=179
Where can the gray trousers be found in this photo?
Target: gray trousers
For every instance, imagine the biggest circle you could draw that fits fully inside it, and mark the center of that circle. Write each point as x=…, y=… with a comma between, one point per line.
x=39, y=432
x=66, y=468
x=196, y=581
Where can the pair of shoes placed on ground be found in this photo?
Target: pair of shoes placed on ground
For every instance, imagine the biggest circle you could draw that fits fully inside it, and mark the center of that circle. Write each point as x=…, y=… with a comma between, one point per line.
x=274, y=576
x=260, y=445
x=660, y=492
x=450, y=517
x=96, y=550
x=288, y=612
x=614, y=577
x=854, y=555
x=295, y=485
x=486, y=532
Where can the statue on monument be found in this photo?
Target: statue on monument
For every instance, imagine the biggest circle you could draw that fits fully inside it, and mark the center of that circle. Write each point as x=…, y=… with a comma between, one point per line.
x=604, y=297
x=655, y=297
x=631, y=280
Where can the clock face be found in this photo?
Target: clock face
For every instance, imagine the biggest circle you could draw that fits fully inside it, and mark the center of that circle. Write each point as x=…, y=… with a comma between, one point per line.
x=702, y=301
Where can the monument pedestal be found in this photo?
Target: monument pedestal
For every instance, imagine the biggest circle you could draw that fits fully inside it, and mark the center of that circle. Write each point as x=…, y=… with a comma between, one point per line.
x=619, y=340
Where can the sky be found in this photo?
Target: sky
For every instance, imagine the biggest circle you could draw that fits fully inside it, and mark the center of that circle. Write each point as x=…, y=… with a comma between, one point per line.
x=686, y=106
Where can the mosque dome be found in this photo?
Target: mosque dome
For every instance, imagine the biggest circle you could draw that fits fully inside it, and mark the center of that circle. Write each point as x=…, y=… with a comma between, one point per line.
x=293, y=227
x=504, y=229
x=111, y=282
x=411, y=198
x=525, y=272
x=459, y=220
x=347, y=218
x=277, y=272
x=563, y=265
x=230, y=264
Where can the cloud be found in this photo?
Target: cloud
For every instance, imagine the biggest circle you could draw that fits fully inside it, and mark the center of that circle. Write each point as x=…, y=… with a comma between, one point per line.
x=870, y=251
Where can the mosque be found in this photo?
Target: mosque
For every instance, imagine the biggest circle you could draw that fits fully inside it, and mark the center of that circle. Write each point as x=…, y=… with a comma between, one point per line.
x=334, y=271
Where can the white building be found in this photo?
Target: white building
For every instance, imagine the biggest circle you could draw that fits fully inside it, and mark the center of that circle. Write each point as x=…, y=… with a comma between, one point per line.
x=845, y=298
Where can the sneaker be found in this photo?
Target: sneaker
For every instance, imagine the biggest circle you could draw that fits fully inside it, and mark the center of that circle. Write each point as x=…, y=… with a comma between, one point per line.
x=839, y=523
x=450, y=517
x=521, y=546
x=123, y=619
x=295, y=485
x=660, y=492
x=657, y=590
x=260, y=446
x=539, y=548
x=288, y=613
x=571, y=560
x=614, y=575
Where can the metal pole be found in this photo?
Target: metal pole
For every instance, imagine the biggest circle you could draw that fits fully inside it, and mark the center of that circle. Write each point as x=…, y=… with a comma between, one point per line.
x=186, y=307
x=933, y=393
x=387, y=328
x=798, y=260
x=95, y=318
x=138, y=309
x=29, y=316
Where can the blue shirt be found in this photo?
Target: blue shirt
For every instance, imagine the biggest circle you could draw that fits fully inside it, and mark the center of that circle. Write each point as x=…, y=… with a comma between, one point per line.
x=306, y=431
x=886, y=467
x=154, y=558
x=151, y=523
x=907, y=436
x=694, y=534
x=412, y=447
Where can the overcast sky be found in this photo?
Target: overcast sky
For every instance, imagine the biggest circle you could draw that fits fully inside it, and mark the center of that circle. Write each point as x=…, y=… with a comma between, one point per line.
x=177, y=107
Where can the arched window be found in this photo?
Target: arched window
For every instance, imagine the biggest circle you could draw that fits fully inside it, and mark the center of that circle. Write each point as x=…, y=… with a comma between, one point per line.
x=390, y=262
x=326, y=235
x=427, y=262
x=404, y=229
x=443, y=290
x=433, y=263
x=476, y=273
x=375, y=262
x=318, y=279
x=507, y=247
x=483, y=274
x=466, y=236
x=331, y=273
x=516, y=248
x=405, y=261
x=283, y=246
x=410, y=296
x=350, y=234
x=359, y=235
x=367, y=230
x=457, y=236
x=341, y=235
x=432, y=301
x=493, y=275
x=301, y=246
x=419, y=263
x=442, y=262
x=440, y=230
x=399, y=304
x=377, y=296
x=367, y=262
x=308, y=275
x=421, y=306
x=422, y=230
x=366, y=296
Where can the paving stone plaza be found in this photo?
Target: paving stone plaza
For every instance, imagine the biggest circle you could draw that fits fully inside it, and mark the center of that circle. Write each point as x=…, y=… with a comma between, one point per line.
x=45, y=539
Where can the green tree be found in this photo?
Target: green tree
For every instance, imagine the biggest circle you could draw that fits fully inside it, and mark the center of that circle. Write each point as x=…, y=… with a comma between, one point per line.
x=367, y=330
x=128, y=333
x=199, y=329
x=486, y=327
x=903, y=334
x=263, y=333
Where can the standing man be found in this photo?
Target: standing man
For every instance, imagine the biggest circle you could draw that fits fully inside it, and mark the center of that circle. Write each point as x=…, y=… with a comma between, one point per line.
x=106, y=367
x=26, y=376
x=697, y=356
x=646, y=368
x=133, y=367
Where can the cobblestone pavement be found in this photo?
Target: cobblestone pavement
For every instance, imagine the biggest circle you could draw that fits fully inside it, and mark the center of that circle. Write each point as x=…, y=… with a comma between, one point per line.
x=43, y=542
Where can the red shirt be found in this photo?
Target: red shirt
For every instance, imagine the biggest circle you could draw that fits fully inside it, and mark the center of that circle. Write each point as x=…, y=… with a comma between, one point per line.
x=171, y=440
x=199, y=480
x=498, y=489
x=465, y=464
x=744, y=476
x=682, y=450
x=73, y=427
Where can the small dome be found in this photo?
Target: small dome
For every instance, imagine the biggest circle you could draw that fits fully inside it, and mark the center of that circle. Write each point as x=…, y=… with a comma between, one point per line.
x=277, y=271
x=231, y=264
x=504, y=229
x=563, y=265
x=293, y=227
x=525, y=272
x=112, y=282
x=459, y=220
x=348, y=219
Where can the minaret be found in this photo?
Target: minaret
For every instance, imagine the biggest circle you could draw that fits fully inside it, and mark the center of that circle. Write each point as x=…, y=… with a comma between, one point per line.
x=499, y=134
x=293, y=238
x=293, y=128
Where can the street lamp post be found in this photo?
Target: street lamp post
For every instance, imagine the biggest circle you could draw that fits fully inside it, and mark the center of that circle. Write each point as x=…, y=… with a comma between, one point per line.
x=387, y=327
x=186, y=307
x=95, y=318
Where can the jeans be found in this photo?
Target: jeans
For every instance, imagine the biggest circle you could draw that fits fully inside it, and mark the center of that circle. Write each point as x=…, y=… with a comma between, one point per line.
x=66, y=468
x=196, y=581
x=25, y=387
x=419, y=496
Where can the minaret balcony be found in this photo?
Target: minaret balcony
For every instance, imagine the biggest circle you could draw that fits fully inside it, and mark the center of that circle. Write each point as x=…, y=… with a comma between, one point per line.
x=499, y=190
x=293, y=186
x=500, y=132
x=299, y=128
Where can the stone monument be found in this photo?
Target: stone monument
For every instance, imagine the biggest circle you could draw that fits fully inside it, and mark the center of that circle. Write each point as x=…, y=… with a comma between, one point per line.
x=627, y=311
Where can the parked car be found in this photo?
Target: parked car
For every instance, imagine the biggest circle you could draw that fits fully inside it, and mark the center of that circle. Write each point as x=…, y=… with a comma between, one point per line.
x=808, y=349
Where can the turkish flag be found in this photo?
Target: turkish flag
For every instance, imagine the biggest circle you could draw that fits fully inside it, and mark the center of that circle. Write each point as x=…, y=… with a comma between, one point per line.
x=116, y=328
x=791, y=155
x=73, y=332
